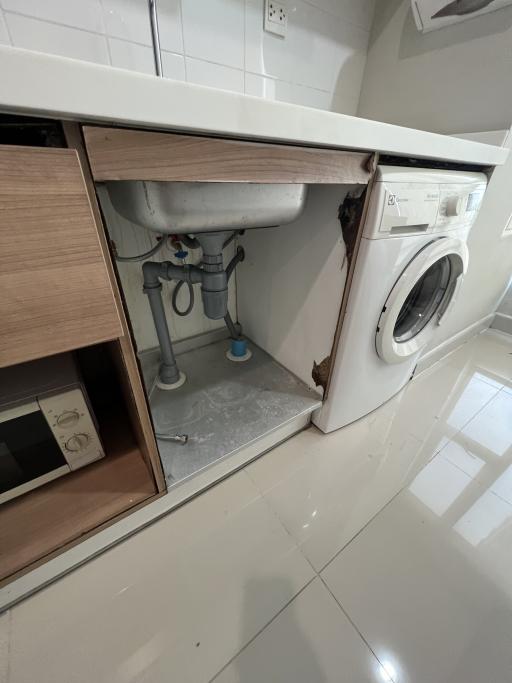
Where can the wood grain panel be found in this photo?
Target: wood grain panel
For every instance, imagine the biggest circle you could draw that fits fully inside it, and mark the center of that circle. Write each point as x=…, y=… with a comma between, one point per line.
x=55, y=293
x=122, y=350
x=123, y=154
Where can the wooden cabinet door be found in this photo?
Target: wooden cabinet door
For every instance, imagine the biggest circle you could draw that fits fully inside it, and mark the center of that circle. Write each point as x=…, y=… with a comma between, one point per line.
x=55, y=292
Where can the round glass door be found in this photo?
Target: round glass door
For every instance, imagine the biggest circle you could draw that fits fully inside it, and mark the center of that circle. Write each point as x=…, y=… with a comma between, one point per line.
x=423, y=300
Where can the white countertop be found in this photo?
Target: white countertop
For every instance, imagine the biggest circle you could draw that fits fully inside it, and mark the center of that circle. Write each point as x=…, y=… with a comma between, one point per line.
x=48, y=85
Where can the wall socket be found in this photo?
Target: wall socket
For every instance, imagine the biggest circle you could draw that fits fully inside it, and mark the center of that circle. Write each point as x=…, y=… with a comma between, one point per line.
x=275, y=18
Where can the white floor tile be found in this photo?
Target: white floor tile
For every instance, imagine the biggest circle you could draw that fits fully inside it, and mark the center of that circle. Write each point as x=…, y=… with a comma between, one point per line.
x=442, y=399
x=325, y=488
x=414, y=502
x=488, y=354
x=311, y=641
x=492, y=426
x=175, y=602
x=430, y=587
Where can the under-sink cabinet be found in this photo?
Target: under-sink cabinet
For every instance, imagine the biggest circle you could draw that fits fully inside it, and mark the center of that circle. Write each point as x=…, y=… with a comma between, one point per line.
x=65, y=290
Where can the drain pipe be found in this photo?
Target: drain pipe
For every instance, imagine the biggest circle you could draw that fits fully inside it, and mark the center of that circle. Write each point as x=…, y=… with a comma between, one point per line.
x=169, y=376
x=214, y=293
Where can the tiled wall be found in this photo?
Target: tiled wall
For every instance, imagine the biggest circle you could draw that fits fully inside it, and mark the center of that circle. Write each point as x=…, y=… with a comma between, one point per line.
x=220, y=43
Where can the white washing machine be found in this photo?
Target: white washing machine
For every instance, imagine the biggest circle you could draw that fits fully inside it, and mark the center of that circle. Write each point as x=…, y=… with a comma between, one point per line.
x=410, y=265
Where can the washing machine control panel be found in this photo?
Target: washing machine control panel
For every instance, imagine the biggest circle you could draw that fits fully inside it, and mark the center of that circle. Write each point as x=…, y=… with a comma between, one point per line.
x=458, y=205
x=412, y=201
x=407, y=207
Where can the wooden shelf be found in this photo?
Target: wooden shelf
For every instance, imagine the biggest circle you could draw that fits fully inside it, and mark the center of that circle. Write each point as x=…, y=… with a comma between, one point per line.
x=49, y=518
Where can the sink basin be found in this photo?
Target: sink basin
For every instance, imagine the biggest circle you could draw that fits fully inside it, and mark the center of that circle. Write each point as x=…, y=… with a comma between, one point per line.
x=188, y=208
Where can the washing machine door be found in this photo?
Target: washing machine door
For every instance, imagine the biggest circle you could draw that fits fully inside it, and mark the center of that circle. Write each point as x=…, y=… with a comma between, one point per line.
x=420, y=299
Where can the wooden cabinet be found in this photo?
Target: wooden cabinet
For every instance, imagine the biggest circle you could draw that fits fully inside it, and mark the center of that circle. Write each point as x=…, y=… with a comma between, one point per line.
x=123, y=154
x=55, y=293
x=58, y=293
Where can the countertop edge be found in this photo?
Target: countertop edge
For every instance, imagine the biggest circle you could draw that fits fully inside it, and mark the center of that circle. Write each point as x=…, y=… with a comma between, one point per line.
x=48, y=85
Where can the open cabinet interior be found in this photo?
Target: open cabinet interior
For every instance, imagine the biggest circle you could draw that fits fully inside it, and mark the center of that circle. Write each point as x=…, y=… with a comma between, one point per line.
x=284, y=299
x=37, y=522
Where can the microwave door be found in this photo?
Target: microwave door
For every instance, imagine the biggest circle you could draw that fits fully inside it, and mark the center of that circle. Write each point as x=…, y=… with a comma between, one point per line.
x=29, y=453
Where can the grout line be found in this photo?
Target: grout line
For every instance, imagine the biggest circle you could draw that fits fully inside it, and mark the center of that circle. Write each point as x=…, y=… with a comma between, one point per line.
x=262, y=629
x=104, y=34
x=182, y=25
x=282, y=80
x=353, y=623
x=402, y=488
x=55, y=23
x=107, y=38
x=3, y=13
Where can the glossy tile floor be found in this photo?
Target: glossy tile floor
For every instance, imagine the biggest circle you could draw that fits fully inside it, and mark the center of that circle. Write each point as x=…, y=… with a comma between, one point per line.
x=380, y=553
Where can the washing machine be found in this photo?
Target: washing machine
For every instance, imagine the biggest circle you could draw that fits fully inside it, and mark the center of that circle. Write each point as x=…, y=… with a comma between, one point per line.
x=410, y=266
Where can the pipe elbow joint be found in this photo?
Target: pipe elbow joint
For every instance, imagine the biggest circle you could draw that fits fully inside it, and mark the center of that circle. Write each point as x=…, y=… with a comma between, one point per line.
x=151, y=272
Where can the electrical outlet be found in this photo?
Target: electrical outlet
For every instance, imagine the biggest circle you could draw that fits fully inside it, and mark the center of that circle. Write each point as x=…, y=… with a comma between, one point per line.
x=275, y=18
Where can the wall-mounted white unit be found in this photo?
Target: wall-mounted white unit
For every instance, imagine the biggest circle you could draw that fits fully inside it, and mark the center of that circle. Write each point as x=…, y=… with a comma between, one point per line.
x=431, y=15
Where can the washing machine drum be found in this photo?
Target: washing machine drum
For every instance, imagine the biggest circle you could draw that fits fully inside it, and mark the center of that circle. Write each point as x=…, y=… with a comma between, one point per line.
x=420, y=299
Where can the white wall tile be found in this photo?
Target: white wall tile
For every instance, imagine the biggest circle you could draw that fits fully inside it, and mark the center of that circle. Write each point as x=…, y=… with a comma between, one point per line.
x=214, y=30
x=132, y=56
x=42, y=36
x=84, y=14
x=173, y=66
x=214, y=75
x=319, y=50
x=357, y=12
x=319, y=63
x=4, y=36
x=283, y=91
x=127, y=19
x=311, y=97
x=170, y=25
x=269, y=88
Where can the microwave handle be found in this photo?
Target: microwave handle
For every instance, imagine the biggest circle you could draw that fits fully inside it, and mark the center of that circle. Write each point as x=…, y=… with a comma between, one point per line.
x=19, y=411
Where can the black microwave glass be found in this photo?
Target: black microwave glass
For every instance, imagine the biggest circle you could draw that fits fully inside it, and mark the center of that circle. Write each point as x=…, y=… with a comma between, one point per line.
x=28, y=450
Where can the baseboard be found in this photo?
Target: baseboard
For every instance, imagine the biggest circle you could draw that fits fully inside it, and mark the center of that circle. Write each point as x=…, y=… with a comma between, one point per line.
x=450, y=344
x=502, y=322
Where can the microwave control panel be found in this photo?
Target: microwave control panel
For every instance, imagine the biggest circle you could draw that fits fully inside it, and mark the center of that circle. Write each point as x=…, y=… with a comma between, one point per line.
x=70, y=420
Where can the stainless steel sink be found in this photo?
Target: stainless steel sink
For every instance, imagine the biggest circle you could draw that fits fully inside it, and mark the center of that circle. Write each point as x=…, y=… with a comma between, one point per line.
x=188, y=208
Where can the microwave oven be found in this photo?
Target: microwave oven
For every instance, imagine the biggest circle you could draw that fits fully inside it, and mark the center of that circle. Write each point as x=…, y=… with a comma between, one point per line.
x=47, y=427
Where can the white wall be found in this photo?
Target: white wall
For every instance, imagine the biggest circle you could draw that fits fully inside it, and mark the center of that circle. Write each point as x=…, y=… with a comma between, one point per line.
x=290, y=285
x=454, y=79
x=219, y=43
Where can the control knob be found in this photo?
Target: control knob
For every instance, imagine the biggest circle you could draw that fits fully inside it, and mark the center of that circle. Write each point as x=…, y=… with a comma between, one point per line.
x=454, y=205
x=68, y=418
x=77, y=442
